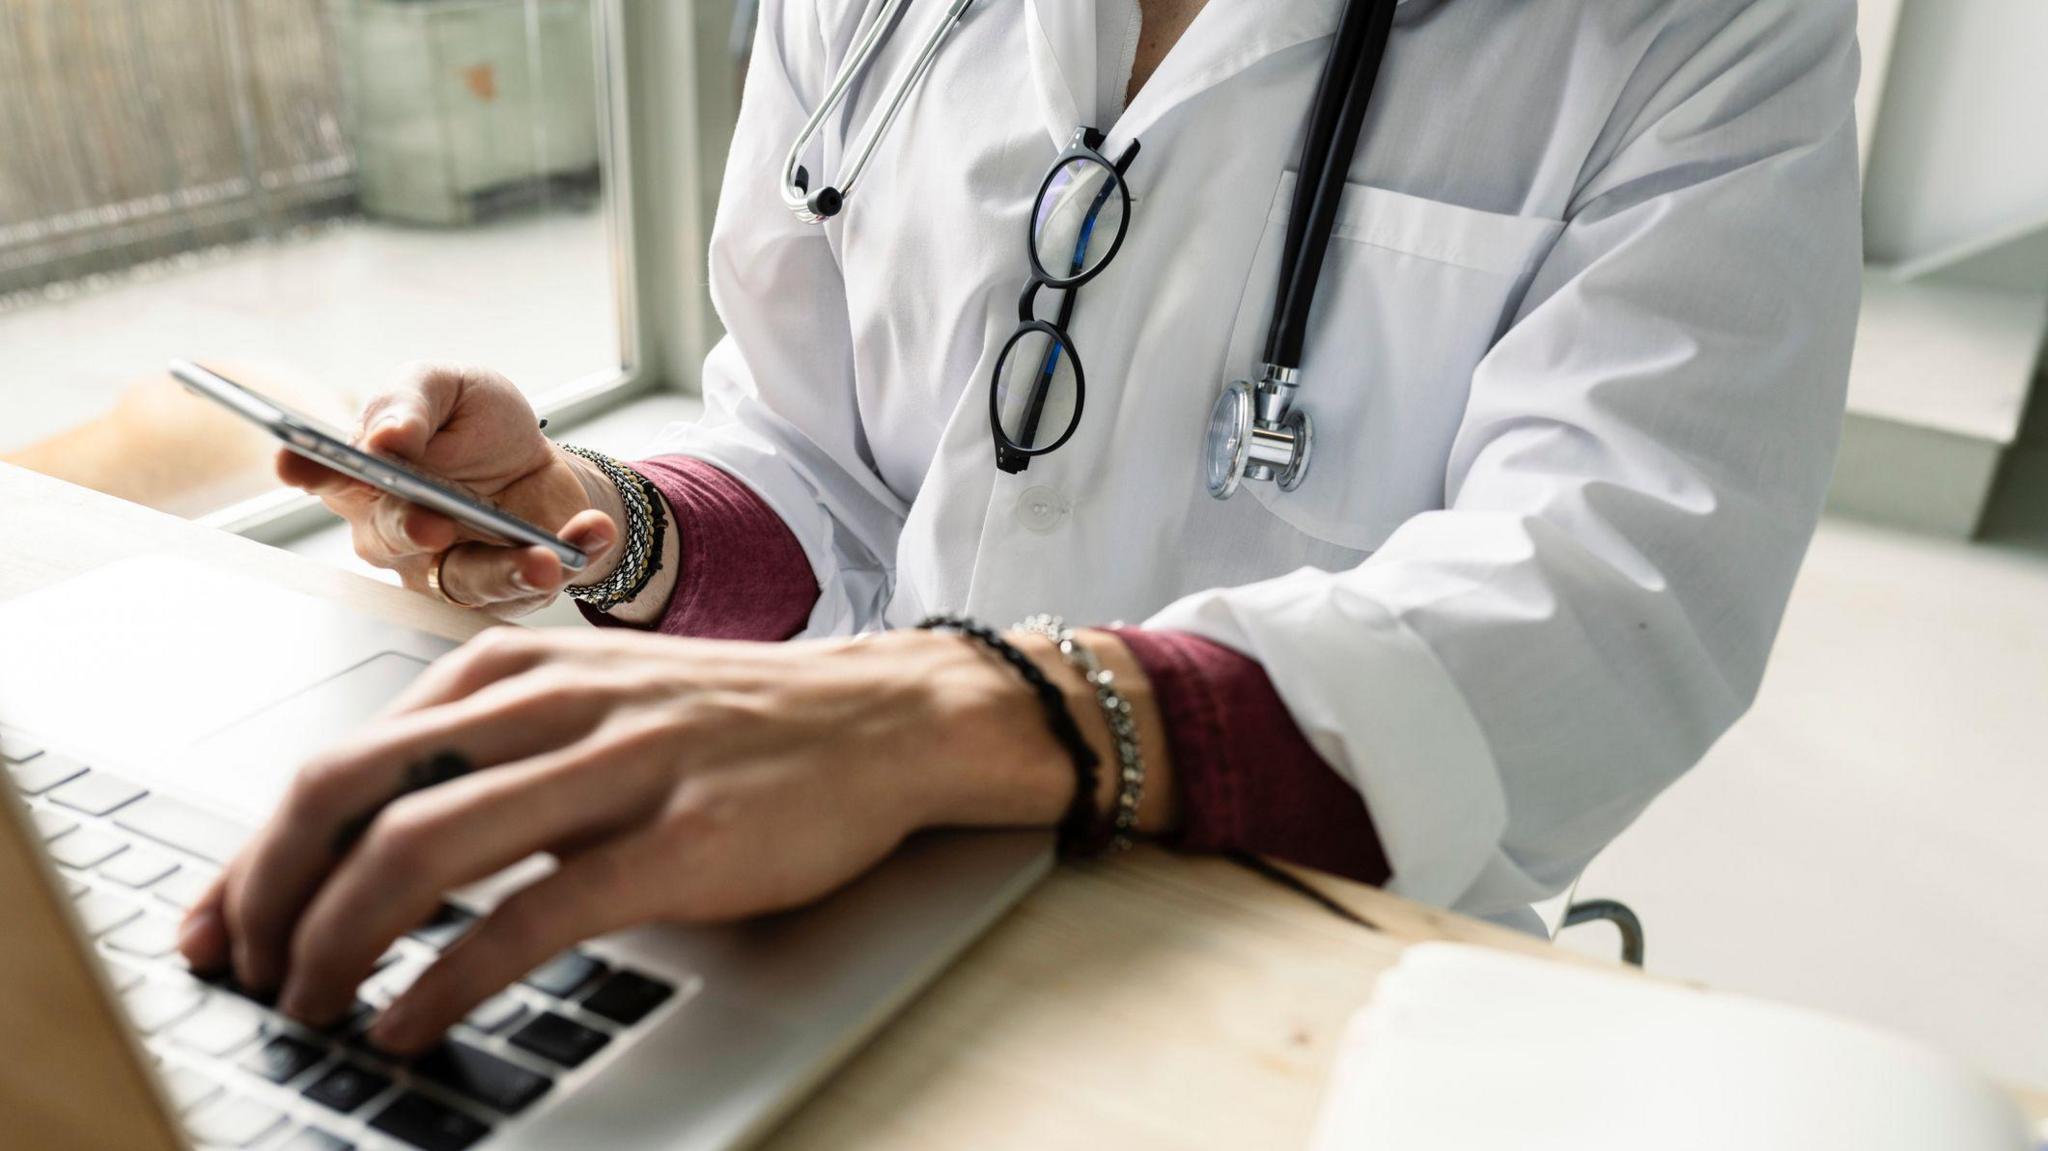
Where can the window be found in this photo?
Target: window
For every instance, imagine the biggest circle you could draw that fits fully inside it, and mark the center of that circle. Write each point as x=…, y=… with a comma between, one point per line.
x=303, y=194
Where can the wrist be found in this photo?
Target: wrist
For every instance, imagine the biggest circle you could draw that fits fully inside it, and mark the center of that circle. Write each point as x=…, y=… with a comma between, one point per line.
x=600, y=493
x=994, y=761
x=1159, y=802
x=985, y=756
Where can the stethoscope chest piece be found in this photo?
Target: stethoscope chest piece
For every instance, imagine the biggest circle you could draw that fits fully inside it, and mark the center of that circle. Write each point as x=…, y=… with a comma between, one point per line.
x=1257, y=431
x=1273, y=444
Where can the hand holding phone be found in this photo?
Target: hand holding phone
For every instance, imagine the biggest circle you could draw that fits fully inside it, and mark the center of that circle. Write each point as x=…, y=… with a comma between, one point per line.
x=449, y=471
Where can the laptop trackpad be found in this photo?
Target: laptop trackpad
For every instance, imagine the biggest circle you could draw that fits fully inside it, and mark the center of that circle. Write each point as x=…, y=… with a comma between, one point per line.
x=246, y=766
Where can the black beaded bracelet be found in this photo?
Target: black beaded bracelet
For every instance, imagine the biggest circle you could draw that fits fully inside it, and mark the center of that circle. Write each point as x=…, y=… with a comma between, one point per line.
x=1077, y=831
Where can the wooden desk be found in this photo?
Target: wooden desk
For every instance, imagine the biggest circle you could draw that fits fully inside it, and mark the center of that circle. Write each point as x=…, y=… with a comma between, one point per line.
x=1149, y=1001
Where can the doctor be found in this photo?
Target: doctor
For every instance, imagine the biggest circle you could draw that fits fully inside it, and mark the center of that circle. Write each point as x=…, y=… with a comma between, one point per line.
x=1575, y=365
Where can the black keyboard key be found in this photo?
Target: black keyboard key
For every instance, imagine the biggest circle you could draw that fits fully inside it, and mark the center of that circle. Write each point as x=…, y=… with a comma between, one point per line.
x=428, y=1125
x=627, y=997
x=346, y=1087
x=565, y=974
x=559, y=1040
x=314, y=1139
x=282, y=1059
x=447, y=925
x=481, y=1076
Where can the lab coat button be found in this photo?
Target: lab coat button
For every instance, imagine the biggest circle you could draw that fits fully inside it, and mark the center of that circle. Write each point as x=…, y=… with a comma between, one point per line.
x=1041, y=509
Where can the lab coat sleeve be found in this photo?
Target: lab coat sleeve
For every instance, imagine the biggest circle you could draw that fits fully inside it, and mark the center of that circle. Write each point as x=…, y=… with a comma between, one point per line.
x=778, y=388
x=1511, y=680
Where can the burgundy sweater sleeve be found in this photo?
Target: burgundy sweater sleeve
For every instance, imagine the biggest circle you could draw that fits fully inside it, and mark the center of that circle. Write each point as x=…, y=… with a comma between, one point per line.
x=742, y=574
x=1249, y=781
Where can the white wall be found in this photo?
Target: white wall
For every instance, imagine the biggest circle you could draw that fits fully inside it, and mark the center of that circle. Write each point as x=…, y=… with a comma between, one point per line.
x=1876, y=23
x=1961, y=150
x=1867, y=840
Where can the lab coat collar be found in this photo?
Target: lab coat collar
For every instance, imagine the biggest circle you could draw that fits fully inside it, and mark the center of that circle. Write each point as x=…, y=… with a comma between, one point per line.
x=1228, y=37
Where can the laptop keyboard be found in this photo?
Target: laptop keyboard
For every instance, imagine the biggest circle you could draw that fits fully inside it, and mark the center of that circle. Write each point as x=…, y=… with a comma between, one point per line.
x=242, y=1076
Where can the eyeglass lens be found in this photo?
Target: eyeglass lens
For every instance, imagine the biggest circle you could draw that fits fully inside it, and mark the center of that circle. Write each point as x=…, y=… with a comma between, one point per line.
x=1036, y=396
x=1078, y=219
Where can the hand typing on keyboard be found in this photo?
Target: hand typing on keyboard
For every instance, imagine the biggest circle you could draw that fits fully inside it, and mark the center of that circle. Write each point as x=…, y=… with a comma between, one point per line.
x=675, y=780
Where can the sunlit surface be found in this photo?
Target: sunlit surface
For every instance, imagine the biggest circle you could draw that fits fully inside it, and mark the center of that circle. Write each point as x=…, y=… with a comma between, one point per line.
x=303, y=195
x=322, y=320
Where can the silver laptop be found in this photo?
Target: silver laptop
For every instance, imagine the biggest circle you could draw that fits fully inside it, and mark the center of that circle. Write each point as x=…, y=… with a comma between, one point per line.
x=152, y=711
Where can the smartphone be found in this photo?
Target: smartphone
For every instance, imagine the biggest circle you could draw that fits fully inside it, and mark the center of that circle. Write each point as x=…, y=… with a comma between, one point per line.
x=316, y=441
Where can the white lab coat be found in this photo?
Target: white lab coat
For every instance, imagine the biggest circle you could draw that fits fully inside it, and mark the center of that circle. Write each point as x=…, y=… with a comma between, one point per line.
x=1577, y=366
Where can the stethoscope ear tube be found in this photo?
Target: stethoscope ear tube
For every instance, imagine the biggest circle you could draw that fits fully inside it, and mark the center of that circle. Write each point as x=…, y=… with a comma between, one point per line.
x=821, y=205
x=1320, y=183
x=1339, y=67
x=1255, y=431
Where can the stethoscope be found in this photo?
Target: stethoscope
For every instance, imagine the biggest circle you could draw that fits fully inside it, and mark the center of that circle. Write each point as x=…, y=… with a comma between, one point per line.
x=1257, y=431
x=825, y=203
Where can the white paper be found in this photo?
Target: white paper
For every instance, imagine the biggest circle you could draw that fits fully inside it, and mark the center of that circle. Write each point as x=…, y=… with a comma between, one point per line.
x=1465, y=1047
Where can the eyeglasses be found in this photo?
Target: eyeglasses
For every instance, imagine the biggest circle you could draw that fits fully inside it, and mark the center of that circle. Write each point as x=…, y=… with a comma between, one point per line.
x=1077, y=225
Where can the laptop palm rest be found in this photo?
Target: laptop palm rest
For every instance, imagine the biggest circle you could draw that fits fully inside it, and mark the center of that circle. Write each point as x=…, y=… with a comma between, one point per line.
x=248, y=752
x=195, y=677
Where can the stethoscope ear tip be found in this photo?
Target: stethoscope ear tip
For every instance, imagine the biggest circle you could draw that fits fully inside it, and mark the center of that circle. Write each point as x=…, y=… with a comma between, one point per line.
x=825, y=203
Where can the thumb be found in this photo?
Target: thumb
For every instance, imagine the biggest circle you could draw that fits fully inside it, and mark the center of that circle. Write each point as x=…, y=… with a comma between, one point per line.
x=400, y=431
x=591, y=532
x=401, y=421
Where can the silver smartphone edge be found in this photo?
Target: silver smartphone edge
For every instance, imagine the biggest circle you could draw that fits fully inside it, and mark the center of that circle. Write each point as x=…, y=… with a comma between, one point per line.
x=326, y=449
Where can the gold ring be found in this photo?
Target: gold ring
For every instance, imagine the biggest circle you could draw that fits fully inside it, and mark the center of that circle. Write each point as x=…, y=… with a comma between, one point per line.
x=435, y=585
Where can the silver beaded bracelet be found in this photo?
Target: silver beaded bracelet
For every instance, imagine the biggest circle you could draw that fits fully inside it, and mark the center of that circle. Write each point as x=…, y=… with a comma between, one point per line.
x=1123, y=729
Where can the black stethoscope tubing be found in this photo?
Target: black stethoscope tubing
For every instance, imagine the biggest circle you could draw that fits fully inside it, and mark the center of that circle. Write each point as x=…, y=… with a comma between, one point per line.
x=1350, y=74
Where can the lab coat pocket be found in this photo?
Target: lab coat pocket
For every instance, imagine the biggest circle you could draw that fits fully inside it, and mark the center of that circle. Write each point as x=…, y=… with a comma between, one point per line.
x=1413, y=294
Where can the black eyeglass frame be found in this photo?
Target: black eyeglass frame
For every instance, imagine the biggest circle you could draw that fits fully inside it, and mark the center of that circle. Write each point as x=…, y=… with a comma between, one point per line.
x=1012, y=457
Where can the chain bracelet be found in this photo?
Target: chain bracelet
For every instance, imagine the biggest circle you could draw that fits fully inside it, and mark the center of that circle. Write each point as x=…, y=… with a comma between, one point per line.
x=645, y=530
x=1116, y=710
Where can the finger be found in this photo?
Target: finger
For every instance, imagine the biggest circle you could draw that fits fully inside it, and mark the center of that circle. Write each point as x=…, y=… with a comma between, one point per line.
x=589, y=895
x=591, y=532
x=481, y=575
x=313, y=476
x=369, y=540
x=280, y=871
x=401, y=421
x=498, y=654
x=425, y=845
x=400, y=528
x=203, y=936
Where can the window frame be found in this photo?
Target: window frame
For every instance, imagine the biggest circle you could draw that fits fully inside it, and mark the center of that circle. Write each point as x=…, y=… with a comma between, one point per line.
x=662, y=147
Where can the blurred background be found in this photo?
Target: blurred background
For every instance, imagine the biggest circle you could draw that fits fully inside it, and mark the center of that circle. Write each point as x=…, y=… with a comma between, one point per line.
x=1870, y=838
x=308, y=193
x=303, y=192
